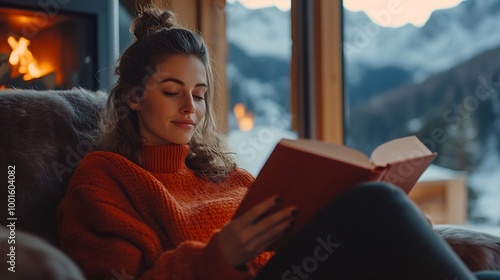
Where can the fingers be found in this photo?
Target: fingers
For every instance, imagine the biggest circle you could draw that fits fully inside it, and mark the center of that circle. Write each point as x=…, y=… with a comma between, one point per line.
x=258, y=210
x=270, y=235
x=259, y=236
x=258, y=244
x=250, y=234
x=268, y=222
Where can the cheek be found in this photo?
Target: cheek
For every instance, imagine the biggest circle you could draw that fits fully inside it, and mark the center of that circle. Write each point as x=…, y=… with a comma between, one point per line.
x=152, y=118
x=200, y=111
x=150, y=111
x=158, y=107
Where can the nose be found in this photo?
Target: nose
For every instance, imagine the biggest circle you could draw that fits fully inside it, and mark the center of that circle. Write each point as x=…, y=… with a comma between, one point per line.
x=188, y=106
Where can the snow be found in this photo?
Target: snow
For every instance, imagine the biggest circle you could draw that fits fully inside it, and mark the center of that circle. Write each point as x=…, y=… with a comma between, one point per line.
x=486, y=182
x=437, y=173
x=254, y=147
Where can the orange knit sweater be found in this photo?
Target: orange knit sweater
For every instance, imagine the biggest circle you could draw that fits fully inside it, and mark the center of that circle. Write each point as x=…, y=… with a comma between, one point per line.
x=119, y=220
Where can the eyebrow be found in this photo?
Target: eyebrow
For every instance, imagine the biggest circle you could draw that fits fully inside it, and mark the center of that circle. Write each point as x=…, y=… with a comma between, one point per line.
x=181, y=82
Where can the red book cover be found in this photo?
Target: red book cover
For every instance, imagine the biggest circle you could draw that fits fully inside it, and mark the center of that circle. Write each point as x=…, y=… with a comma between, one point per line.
x=309, y=174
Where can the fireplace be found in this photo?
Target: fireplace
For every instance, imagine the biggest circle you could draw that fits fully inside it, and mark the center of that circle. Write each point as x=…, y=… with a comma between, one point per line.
x=58, y=44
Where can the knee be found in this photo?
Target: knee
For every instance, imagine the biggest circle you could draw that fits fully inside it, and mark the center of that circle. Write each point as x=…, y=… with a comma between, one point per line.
x=378, y=189
x=376, y=196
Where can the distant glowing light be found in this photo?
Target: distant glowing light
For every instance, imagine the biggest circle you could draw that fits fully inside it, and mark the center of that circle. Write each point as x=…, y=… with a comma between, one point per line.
x=245, y=118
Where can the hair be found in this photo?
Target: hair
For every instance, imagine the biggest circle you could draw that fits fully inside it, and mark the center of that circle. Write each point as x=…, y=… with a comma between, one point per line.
x=158, y=37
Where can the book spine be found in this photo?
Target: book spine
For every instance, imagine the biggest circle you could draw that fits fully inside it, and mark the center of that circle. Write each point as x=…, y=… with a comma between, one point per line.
x=378, y=173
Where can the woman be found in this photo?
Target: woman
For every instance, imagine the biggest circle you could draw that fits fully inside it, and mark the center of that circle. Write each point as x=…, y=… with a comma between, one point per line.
x=152, y=201
x=156, y=201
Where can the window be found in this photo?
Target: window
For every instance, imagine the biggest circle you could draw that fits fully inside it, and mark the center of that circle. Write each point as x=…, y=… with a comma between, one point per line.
x=258, y=74
x=432, y=71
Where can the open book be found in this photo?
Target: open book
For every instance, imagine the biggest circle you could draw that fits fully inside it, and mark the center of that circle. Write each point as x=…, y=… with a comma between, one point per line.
x=309, y=173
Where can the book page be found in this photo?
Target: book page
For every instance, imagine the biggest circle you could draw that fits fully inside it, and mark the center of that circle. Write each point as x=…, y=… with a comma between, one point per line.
x=329, y=150
x=398, y=150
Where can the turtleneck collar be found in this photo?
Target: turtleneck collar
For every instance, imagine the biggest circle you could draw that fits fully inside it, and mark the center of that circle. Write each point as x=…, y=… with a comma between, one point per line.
x=165, y=158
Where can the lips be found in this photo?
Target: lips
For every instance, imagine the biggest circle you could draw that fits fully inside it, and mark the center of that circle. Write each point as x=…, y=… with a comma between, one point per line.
x=183, y=122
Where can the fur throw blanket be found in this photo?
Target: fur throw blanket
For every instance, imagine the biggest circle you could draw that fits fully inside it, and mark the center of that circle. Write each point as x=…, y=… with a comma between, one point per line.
x=44, y=136
x=478, y=250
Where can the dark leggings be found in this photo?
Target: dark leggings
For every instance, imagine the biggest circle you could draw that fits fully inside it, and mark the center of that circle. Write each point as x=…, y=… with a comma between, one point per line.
x=370, y=232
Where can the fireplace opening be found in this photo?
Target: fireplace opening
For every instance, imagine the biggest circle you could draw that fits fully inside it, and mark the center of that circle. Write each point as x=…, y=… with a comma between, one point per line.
x=41, y=51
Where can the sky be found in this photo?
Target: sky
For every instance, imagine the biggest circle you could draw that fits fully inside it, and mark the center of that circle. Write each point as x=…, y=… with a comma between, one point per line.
x=256, y=4
x=395, y=13
x=389, y=13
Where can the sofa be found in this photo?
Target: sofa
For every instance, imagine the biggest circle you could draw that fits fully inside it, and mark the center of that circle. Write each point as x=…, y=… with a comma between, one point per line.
x=46, y=133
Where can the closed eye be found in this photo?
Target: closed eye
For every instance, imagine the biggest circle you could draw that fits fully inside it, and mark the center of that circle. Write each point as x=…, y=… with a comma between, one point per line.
x=170, y=93
x=198, y=97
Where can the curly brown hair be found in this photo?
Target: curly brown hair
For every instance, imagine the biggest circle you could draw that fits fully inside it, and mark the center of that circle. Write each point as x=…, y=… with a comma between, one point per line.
x=157, y=37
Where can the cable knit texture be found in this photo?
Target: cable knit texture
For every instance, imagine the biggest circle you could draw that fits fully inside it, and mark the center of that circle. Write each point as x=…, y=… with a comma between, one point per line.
x=119, y=220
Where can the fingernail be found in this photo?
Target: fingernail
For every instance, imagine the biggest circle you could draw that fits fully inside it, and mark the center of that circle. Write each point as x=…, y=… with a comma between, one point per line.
x=277, y=200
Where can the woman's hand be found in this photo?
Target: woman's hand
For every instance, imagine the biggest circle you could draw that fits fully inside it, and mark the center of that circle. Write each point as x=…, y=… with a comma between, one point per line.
x=247, y=236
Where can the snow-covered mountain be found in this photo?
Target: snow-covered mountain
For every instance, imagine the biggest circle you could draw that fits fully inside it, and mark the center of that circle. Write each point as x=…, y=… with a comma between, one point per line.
x=264, y=31
x=450, y=37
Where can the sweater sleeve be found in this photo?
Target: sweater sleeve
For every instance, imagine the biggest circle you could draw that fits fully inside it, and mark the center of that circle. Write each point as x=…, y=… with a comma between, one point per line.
x=109, y=240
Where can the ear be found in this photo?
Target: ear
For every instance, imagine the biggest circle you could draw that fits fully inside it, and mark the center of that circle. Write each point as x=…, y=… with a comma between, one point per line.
x=132, y=101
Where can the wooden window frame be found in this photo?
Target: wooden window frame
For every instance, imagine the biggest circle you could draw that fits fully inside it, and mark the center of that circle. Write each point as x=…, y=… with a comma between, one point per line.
x=317, y=70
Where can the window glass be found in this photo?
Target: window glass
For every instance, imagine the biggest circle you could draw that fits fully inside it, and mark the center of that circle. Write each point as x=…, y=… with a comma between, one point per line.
x=258, y=72
x=433, y=70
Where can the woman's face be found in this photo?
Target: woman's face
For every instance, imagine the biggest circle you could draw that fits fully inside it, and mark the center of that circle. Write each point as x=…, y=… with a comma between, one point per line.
x=173, y=104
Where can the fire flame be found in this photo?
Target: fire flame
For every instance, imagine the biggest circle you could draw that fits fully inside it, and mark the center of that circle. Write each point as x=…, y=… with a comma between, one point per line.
x=245, y=119
x=22, y=56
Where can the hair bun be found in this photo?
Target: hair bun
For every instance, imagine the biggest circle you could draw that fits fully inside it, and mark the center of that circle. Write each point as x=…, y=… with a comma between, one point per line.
x=150, y=19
